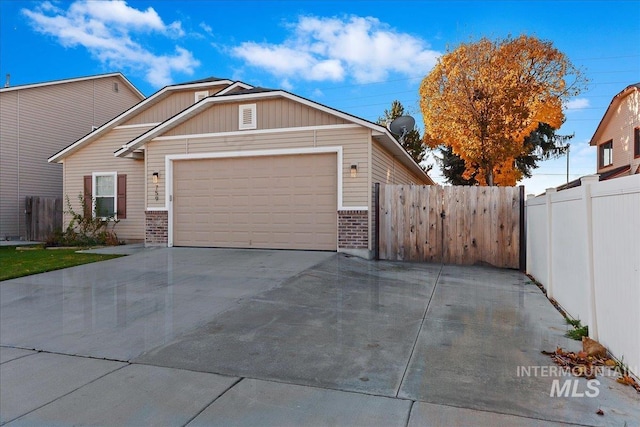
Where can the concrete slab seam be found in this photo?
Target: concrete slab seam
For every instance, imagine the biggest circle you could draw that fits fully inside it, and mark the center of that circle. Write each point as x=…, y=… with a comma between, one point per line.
x=566, y=423
x=415, y=343
x=20, y=357
x=72, y=391
x=406, y=423
x=235, y=383
x=82, y=356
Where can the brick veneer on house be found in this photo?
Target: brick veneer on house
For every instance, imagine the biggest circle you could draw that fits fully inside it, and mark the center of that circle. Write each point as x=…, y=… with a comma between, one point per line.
x=156, y=227
x=353, y=229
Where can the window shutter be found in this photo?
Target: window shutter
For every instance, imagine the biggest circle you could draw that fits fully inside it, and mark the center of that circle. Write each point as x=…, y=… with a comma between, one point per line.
x=122, y=197
x=88, y=199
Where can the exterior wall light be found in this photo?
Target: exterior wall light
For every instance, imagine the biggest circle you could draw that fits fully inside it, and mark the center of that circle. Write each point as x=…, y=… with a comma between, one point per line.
x=156, y=175
x=354, y=171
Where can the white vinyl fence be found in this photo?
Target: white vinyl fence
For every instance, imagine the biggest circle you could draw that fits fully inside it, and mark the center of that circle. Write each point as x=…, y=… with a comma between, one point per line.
x=583, y=245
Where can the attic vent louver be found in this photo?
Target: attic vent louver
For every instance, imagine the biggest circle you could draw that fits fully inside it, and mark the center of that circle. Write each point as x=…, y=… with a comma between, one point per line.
x=247, y=116
x=201, y=95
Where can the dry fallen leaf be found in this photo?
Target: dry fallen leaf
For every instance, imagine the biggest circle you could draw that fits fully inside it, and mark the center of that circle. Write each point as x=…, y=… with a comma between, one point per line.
x=582, y=365
x=600, y=412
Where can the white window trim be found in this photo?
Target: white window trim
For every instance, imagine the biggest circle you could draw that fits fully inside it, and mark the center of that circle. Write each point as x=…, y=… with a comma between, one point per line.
x=94, y=175
x=254, y=121
x=200, y=95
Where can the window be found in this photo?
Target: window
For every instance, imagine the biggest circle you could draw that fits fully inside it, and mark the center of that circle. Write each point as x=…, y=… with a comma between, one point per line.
x=201, y=95
x=116, y=89
x=104, y=194
x=247, y=116
x=605, y=154
x=636, y=142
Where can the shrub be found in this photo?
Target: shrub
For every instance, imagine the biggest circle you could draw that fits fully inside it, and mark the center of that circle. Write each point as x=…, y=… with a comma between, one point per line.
x=85, y=230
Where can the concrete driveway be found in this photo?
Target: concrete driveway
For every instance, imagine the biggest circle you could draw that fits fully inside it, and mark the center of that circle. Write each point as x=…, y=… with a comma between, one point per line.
x=248, y=337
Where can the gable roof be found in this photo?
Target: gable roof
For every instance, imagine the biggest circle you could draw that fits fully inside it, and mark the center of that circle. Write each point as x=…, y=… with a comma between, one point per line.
x=73, y=80
x=153, y=99
x=257, y=93
x=610, y=110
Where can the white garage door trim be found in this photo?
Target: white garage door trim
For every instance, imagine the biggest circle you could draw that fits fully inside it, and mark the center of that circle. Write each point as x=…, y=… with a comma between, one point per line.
x=198, y=156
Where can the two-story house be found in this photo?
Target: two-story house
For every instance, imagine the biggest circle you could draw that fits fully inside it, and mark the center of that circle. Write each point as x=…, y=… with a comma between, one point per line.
x=618, y=135
x=40, y=119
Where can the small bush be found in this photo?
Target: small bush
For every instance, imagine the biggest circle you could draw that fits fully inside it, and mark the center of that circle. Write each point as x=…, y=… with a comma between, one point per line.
x=85, y=230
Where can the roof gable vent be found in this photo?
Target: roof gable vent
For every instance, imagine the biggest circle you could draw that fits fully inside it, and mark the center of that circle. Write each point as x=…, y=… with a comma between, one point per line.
x=247, y=116
x=201, y=95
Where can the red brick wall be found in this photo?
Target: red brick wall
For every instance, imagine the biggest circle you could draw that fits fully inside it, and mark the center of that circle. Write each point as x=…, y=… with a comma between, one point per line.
x=157, y=227
x=353, y=229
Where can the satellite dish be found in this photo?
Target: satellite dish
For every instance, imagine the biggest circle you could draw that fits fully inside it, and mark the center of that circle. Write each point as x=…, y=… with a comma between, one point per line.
x=401, y=126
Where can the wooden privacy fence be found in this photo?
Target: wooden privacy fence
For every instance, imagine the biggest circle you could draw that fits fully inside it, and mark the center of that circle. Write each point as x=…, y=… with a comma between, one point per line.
x=453, y=225
x=44, y=216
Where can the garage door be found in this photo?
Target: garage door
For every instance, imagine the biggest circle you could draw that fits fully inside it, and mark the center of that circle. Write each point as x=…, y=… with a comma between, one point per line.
x=278, y=202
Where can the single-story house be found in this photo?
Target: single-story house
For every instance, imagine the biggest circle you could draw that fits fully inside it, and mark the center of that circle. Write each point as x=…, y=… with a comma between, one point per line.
x=220, y=163
x=41, y=118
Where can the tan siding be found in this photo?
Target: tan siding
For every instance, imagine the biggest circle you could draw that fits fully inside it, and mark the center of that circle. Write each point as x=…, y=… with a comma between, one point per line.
x=220, y=118
x=620, y=129
x=283, y=113
x=158, y=150
x=354, y=142
x=50, y=118
x=172, y=104
x=271, y=114
x=387, y=170
x=98, y=157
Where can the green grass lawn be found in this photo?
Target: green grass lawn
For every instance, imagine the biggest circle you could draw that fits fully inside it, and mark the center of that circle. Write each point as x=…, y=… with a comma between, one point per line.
x=19, y=261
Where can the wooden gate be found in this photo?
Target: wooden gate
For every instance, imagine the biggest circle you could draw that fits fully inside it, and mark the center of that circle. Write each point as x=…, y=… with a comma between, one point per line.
x=44, y=216
x=453, y=225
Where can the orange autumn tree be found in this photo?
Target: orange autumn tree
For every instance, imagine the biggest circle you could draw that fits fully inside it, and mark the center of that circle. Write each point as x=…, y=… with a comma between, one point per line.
x=484, y=98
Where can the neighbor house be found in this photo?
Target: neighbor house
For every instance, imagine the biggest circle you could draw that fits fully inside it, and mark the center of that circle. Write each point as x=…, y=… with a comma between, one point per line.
x=40, y=119
x=219, y=163
x=618, y=135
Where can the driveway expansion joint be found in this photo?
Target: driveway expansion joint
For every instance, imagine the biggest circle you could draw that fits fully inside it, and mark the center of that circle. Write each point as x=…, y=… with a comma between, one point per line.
x=415, y=342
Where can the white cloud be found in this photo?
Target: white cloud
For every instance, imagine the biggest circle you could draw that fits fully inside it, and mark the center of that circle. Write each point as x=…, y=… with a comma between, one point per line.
x=206, y=28
x=577, y=104
x=108, y=29
x=330, y=49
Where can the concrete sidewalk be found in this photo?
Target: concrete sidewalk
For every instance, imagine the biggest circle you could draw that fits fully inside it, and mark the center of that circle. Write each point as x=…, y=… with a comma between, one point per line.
x=247, y=337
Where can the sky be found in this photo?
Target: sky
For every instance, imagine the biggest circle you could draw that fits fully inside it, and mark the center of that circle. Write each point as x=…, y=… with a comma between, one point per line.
x=354, y=56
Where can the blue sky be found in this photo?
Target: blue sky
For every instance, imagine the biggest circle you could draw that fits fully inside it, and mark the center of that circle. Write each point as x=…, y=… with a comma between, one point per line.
x=356, y=56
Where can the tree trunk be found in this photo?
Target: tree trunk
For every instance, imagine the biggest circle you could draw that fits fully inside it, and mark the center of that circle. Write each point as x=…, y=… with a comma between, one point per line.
x=489, y=177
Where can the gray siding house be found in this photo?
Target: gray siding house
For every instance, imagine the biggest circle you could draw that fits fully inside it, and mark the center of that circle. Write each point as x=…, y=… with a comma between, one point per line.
x=43, y=118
